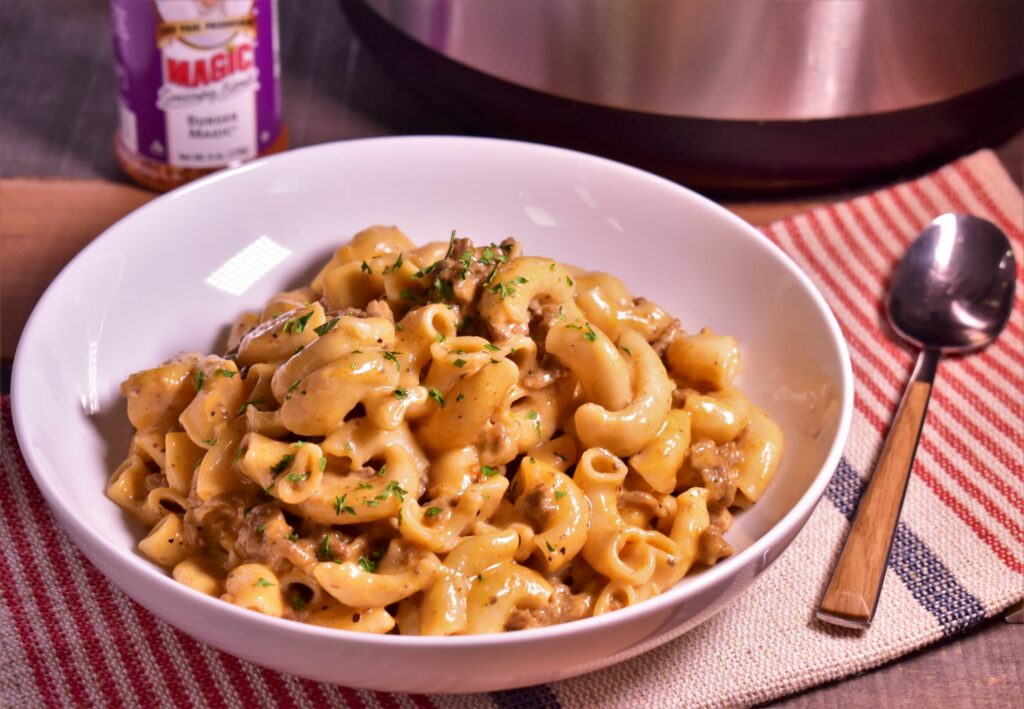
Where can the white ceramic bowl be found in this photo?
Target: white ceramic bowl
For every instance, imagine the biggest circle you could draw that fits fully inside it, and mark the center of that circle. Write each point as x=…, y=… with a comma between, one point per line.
x=156, y=283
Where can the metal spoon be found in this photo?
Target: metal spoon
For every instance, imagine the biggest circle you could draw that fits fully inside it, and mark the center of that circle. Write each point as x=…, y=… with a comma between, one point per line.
x=951, y=293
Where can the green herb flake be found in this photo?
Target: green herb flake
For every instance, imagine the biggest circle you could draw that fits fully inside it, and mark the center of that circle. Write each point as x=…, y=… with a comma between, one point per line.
x=439, y=337
x=293, y=537
x=459, y=363
x=488, y=471
x=297, y=477
x=322, y=330
x=559, y=494
x=365, y=267
x=460, y=397
x=200, y=378
x=297, y=602
x=364, y=486
x=297, y=325
x=393, y=267
x=323, y=463
x=282, y=464
x=589, y=334
x=433, y=511
x=400, y=393
x=323, y=549
x=340, y=506
x=298, y=444
x=368, y=565
x=406, y=294
x=503, y=289
x=253, y=403
x=492, y=348
x=561, y=457
x=260, y=530
x=263, y=582
x=393, y=357
x=225, y=373
x=548, y=545
x=479, y=577
x=382, y=471
x=436, y=395
x=626, y=350
x=393, y=488
x=569, y=281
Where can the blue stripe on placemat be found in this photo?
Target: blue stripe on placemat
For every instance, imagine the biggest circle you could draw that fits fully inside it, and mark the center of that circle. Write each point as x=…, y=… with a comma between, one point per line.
x=930, y=581
x=526, y=698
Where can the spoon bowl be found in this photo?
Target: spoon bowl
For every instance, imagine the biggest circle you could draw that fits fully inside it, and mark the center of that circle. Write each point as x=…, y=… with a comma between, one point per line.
x=952, y=292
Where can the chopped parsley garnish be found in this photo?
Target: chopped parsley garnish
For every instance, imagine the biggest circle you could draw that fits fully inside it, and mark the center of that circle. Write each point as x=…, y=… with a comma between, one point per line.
x=407, y=294
x=392, y=357
x=479, y=577
x=322, y=330
x=589, y=334
x=488, y=471
x=225, y=373
x=459, y=362
x=282, y=464
x=383, y=469
x=532, y=415
x=297, y=601
x=297, y=477
x=460, y=397
x=433, y=511
x=436, y=395
x=548, y=545
x=365, y=267
x=561, y=457
x=323, y=550
x=293, y=537
x=395, y=489
x=400, y=393
x=243, y=407
x=492, y=348
x=340, y=506
x=263, y=582
x=559, y=494
x=260, y=530
x=323, y=463
x=395, y=266
x=444, y=289
x=551, y=266
x=210, y=441
x=298, y=444
x=569, y=280
x=369, y=563
x=364, y=486
x=439, y=337
x=200, y=378
x=626, y=350
x=297, y=325
x=298, y=349
x=466, y=259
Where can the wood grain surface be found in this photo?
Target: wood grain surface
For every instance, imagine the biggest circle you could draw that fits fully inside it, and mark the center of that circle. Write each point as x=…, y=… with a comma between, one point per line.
x=57, y=117
x=852, y=594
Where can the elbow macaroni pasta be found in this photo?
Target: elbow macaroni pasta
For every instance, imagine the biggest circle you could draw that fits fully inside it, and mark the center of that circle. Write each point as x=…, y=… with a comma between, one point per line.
x=442, y=440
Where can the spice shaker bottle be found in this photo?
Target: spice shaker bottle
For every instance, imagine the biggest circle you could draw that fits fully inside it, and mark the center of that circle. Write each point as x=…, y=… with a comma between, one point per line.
x=198, y=87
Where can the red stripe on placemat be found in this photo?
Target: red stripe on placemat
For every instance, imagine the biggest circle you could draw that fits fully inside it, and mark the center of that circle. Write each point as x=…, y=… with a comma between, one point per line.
x=978, y=190
x=853, y=337
x=422, y=701
x=386, y=701
x=983, y=533
x=877, y=337
x=952, y=378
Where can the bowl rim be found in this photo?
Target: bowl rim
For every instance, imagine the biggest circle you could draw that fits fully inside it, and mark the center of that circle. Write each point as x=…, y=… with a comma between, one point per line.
x=79, y=530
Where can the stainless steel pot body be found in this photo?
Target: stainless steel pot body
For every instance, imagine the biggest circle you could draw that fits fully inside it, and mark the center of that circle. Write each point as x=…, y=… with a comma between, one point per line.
x=731, y=64
x=760, y=60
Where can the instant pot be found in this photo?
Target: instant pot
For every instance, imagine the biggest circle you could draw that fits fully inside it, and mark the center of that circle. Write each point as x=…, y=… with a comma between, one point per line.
x=725, y=95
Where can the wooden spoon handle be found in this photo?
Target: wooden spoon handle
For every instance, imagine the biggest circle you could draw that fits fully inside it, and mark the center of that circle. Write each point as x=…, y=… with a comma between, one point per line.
x=852, y=594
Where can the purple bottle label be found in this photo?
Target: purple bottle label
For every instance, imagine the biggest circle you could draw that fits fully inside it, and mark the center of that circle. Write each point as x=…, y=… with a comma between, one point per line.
x=197, y=79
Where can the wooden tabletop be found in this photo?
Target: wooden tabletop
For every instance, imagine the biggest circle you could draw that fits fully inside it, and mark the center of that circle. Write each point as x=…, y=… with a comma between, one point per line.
x=62, y=188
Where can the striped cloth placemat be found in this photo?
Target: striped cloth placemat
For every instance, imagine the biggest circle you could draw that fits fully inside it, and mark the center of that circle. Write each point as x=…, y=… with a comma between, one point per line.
x=957, y=557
